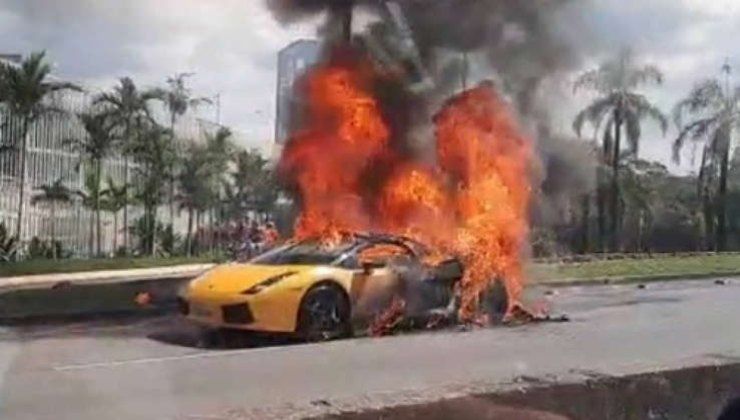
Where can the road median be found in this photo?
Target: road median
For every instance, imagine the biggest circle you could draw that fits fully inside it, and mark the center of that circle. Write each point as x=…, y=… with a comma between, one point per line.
x=107, y=292
x=92, y=294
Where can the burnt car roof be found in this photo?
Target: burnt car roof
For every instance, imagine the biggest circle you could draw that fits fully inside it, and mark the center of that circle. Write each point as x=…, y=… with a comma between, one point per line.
x=373, y=237
x=355, y=239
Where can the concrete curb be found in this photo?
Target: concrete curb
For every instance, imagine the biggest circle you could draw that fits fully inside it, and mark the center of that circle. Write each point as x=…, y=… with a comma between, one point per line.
x=634, y=279
x=102, y=277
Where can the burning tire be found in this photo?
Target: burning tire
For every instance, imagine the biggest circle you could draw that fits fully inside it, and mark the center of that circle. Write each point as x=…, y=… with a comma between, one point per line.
x=324, y=314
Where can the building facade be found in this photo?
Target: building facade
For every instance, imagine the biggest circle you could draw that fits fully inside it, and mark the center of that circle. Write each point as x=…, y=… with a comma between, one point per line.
x=293, y=61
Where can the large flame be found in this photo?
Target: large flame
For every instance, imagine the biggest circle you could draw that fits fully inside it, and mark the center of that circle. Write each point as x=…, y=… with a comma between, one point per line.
x=473, y=203
x=328, y=160
x=481, y=149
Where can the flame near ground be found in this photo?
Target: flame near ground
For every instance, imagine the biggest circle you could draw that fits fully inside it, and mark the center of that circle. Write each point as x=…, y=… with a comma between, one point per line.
x=473, y=202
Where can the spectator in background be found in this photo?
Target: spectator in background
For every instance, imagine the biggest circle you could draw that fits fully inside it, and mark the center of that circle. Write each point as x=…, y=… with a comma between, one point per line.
x=255, y=238
x=270, y=235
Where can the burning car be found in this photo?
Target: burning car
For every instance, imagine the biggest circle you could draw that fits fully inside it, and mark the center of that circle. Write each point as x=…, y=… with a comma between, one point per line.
x=322, y=292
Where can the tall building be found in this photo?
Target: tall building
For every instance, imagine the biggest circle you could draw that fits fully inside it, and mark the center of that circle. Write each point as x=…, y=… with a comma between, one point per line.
x=293, y=61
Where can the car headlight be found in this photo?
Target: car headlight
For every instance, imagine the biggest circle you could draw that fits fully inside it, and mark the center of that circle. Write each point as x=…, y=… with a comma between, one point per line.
x=267, y=283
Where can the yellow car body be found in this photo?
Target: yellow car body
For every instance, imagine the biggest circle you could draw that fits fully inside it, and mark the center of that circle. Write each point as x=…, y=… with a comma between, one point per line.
x=273, y=309
x=267, y=293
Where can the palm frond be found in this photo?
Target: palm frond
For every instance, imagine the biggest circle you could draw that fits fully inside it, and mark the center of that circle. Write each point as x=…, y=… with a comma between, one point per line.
x=696, y=130
x=648, y=74
x=594, y=113
x=706, y=96
x=590, y=80
x=64, y=86
x=642, y=108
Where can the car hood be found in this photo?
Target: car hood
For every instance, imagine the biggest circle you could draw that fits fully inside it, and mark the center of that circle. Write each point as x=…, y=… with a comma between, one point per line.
x=235, y=278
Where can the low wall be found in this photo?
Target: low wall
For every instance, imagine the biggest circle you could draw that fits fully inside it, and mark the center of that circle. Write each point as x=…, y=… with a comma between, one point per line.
x=692, y=393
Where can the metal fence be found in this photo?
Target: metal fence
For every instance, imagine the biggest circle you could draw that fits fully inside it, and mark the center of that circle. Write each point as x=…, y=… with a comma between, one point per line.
x=49, y=159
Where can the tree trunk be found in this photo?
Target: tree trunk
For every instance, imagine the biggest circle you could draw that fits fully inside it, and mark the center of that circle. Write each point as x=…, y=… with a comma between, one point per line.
x=211, y=233
x=601, y=190
x=22, y=178
x=172, y=179
x=127, y=135
x=115, y=233
x=342, y=11
x=585, y=222
x=154, y=230
x=709, y=225
x=722, y=200
x=98, y=247
x=614, y=199
x=91, y=236
x=722, y=193
x=53, y=230
x=98, y=172
x=640, y=230
x=189, y=238
x=198, y=238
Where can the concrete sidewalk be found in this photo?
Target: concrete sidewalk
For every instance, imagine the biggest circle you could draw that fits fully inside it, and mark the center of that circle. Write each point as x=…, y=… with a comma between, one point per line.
x=102, y=277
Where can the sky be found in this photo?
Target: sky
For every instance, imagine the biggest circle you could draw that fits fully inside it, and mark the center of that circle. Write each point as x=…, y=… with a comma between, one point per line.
x=232, y=47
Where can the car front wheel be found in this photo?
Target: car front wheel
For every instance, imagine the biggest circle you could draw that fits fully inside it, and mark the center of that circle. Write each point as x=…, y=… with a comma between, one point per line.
x=324, y=314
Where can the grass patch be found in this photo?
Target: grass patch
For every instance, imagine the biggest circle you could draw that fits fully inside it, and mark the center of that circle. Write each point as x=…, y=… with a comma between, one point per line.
x=661, y=266
x=31, y=267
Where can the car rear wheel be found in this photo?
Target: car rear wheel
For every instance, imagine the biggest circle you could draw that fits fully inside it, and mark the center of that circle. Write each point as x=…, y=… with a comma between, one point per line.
x=324, y=314
x=495, y=302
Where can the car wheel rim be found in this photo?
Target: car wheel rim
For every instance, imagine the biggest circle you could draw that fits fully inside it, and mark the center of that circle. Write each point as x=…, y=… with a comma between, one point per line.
x=324, y=315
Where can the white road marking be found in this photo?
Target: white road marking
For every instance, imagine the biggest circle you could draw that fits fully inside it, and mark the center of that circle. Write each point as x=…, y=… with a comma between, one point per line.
x=117, y=363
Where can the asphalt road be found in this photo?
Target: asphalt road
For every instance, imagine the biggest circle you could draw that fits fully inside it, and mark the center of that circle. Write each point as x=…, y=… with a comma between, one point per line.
x=155, y=369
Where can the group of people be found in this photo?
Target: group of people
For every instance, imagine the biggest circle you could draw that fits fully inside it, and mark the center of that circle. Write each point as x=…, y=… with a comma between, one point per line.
x=254, y=238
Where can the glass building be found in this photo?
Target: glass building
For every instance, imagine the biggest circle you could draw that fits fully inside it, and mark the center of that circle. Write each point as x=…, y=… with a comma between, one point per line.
x=293, y=61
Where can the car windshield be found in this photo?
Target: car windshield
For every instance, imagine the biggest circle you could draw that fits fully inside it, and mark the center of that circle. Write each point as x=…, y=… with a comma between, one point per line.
x=309, y=253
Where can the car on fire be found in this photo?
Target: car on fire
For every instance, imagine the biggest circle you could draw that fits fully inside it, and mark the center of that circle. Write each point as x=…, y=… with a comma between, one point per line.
x=322, y=292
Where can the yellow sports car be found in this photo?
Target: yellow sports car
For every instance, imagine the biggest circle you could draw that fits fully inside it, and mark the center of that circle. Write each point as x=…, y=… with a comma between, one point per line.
x=321, y=292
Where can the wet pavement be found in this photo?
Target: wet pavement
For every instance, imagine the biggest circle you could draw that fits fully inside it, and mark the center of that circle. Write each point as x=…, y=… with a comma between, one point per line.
x=161, y=367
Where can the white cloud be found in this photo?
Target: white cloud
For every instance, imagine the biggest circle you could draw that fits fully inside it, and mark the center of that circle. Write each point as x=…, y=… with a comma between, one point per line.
x=232, y=46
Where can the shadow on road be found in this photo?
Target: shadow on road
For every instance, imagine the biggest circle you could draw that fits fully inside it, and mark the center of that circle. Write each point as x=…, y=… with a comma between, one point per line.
x=185, y=335
x=162, y=327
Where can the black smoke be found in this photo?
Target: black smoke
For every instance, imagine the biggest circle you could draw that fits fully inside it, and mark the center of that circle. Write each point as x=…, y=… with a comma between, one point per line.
x=528, y=47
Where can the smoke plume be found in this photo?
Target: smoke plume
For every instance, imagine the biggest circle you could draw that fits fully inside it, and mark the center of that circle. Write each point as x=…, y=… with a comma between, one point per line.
x=528, y=48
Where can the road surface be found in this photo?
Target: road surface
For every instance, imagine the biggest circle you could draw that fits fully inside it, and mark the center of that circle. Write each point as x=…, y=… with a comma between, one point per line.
x=154, y=368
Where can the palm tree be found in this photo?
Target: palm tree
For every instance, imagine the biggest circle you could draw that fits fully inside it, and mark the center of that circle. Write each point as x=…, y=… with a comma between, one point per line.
x=154, y=153
x=218, y=151
x=715, y=116
x=194, y=194
x=23, y=91
x=53, y=194
x=114, y=199
x=619, y=109
x=90, y=197
x=127, y=105
x=93, y=149
x=178, y=99
x=252, y=185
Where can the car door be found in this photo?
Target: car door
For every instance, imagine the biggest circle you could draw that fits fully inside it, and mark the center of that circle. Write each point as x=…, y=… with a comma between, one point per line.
x=375, y=281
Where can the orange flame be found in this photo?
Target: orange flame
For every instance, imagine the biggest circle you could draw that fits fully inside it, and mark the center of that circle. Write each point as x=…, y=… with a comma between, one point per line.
x=480, y=147
x=327, y=160
x=472, y=204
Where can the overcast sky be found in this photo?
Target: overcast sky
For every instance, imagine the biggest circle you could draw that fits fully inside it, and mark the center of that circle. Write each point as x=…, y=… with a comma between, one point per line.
x=232, y=46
